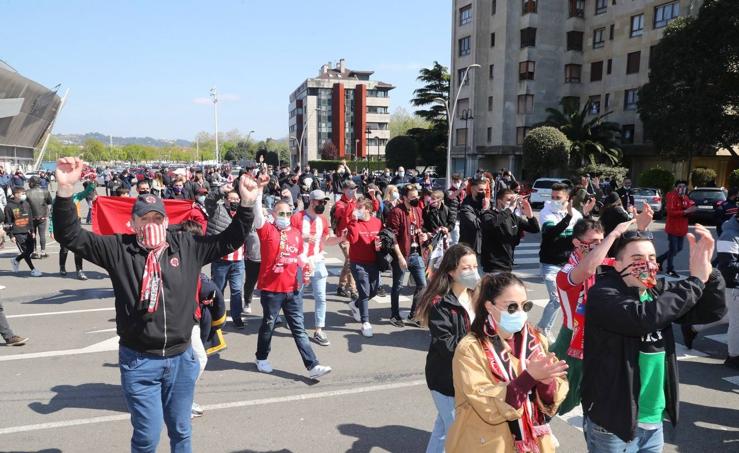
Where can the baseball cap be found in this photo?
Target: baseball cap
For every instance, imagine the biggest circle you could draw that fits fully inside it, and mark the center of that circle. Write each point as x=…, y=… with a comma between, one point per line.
x=146, y=203
x=318, y=194
x=201, y=190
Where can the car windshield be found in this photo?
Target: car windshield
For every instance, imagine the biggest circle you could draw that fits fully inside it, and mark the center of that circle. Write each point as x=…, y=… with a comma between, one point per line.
x=639, y=192
x=544, y=184
x=707, y=195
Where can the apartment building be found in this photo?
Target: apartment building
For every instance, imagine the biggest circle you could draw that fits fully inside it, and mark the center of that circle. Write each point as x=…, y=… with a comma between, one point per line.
x=535, y=53
x=340, y=106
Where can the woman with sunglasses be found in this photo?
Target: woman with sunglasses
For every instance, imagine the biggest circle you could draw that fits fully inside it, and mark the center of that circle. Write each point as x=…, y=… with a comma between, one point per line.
x=446, y=308
x=506, y=383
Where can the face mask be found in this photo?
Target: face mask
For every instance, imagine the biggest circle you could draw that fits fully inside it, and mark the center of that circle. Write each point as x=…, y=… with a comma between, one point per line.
x=457, y=185
x=143, y=192
x=177, y=189
x=341, y=172
x=644, y=271
x=282, y=222
x=556, y=205
x=387, y=174
x=586, y=248
x=201, y=199
x=152, y=235
x=469, y=279
x=234, y=206
x=307, y=182
x=401, y=173
x=320, y=208
x=396, y=196
x=23, y=197
x=513, y=323
x=359, y=214
x=413, y=202
x=351, y=193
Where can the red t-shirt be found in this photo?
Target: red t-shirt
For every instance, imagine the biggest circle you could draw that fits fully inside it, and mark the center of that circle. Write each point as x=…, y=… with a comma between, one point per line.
x=280, y=250
x=361, y=238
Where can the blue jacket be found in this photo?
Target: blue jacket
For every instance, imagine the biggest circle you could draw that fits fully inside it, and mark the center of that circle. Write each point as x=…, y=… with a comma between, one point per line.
x=727, y=247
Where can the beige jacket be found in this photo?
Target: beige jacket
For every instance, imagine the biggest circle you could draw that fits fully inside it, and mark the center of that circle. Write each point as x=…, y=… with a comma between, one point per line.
x=482, y=415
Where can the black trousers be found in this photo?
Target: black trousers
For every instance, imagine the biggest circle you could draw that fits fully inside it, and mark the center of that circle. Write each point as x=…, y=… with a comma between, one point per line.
x=251, y=274
x=63, y=252
x=25, y=245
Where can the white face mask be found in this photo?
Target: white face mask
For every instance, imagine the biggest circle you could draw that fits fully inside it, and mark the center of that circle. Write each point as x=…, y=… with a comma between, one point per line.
x=359, y=214
x=401, y=173
x=307, y=182
x=396, y=196
x=556, y=205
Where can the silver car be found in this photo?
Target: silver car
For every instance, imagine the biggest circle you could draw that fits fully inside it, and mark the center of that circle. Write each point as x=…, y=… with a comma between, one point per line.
x=650, y=195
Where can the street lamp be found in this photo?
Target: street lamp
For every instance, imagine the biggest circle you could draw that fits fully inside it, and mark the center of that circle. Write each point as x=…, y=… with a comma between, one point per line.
x=466, y=116
x=450, y=120
x=368, y=132
x=302, y=135
x=214, y=96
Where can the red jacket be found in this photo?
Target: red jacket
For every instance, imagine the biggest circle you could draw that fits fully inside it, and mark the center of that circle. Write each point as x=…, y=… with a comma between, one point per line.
x=677, y=221
x=361, y=238
x=343, y=213
x=399, y=222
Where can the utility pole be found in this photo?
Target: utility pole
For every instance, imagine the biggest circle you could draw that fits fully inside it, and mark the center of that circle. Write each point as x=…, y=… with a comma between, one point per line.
x=214, y=96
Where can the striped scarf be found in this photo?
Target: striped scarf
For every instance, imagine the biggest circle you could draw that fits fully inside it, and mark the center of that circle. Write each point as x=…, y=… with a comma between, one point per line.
x=532, y=423
x=152, y=237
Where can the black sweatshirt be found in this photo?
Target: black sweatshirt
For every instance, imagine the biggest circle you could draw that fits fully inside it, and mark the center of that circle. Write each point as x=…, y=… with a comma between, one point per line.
x=556, y=242
x=500, y=232
x=167, y=331
x=18, y=214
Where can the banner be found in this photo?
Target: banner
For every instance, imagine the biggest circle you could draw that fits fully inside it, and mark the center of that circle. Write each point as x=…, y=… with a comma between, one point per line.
x=112, y=215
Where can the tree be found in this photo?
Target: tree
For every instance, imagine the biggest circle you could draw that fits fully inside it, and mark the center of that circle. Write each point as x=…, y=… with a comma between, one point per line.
x=543, y=148
x=93, y=151
x=657, y=177
x=401, y=151
x=431, y=147
x=690, y=105
x=593, y=140
x=436, y=85
x=701, y=177
x=329, y=151
x=401, y=122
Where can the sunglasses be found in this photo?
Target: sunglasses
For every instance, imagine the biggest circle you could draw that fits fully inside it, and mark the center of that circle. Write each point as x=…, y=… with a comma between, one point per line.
x=284, y=214
x=515, y=306
x=636, y=234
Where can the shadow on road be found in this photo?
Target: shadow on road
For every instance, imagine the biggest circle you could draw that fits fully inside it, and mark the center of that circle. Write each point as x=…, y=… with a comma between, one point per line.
x=218, y=363
x=388, y=438
x=86, y=396
x=65, y=296
x=46, y=450
x=284, y=450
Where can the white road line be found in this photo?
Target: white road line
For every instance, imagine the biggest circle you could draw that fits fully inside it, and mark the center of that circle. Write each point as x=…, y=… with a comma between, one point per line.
x=110, y=344
x=331, y=261
x=683, y=353
x=68, y=312
x=721, y=337
x=215, y=407
x=526, y=261
x=103, y=330
x=733, y=379
x=528, y=245
x=386, y=299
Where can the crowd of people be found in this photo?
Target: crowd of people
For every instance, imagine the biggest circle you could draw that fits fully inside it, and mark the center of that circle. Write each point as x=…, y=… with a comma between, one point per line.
x=495, y=377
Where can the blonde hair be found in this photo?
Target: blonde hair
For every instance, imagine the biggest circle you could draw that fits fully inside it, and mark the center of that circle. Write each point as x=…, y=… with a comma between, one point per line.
x=388, y=190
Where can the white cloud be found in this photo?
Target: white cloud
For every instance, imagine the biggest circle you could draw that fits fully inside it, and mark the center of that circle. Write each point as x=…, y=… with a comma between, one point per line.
x=227, y=97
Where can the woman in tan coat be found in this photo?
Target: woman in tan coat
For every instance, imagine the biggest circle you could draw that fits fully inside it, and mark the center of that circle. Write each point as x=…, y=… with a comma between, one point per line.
x=506, y=383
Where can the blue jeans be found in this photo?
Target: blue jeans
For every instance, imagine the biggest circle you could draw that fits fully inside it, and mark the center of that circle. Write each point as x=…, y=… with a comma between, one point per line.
x=418, y=271
x=444, y=419
x=159, y=388
x=291, y=305
x=549, y=273
x=318, y=284
x=367, y=277
x=675, y=246
x=601, y=441
x=233, y=271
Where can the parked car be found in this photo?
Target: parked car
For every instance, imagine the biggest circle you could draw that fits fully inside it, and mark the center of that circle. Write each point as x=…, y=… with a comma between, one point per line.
x=650, y=195
x=541, y=191
x=706, y=199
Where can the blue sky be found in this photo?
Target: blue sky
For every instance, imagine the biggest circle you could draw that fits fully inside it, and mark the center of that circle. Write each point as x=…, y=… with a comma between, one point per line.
x=144, y=68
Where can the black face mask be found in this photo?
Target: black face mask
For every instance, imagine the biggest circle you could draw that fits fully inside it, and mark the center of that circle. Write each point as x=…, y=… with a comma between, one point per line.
x=320, y=208
x=413, y=202
x=143, y=192
x=234, y=206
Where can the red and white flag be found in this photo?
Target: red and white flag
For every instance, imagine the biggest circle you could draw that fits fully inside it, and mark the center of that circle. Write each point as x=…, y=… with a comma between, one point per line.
x=112, y=215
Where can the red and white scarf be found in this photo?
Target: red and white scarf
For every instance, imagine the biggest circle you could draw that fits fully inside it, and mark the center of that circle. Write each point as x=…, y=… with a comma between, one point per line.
x=532, y=423
x=152, y=237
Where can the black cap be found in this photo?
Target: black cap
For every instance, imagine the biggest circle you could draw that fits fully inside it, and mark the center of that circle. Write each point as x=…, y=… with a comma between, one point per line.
x=146, y=203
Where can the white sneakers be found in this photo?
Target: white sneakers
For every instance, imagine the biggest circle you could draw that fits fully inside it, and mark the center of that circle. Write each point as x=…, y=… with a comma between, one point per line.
x=355, y=311
x=263, y=366
x=318, y=371
x=15, y=265
x=36, y=273
x=367, y=329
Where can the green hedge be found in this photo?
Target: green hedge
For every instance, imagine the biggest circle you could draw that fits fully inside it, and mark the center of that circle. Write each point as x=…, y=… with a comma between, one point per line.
x=700, y=177
x=657, y=177
x=355, y=165
x=602, y=171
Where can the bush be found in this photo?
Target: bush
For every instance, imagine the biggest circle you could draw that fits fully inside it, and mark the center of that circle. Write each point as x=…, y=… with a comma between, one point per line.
x=734, y=178
x=545, y=149
x=657, y=177
x=603, y=171
x=700, y=177
x=401, y=151
x=355, y=165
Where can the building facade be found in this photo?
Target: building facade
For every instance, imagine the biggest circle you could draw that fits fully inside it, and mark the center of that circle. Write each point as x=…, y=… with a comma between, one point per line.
x=342, y=107
x=533, y=54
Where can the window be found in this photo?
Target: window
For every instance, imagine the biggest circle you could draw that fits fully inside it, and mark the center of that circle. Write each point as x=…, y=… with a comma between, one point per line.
x=463, y=108
x=627, y=133
x=663, y=14
x=609, y=66
x=461, y=137
x=490, y=103
x=464, y=46
x=521, y=133
x=571, y=102
x=574, y=40
x=465, y=15
x=572, y=73
x=601, y=6
x=651, y=56
x=577, y=8
x=632, y=62
x=460, y=74
x=611, y=32
x=526, y=70
x=528, y=37
x=599, y=38
x=492, y=39
x=594, y=105
x=490, y=71
x=607, y=101
x=525, y=103
x=631, y=99
x=637, y=25
x=493, y=6
x=529, y=6
x=596, y=71
x=490, y=135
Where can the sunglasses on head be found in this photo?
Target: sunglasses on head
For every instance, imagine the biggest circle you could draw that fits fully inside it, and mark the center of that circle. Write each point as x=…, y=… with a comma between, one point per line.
x=636, y=234
x=515, y=306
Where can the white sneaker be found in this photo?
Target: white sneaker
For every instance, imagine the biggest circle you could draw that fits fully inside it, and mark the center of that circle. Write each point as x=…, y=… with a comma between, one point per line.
x=247, y=309
x=367, y=329
x=36, y=273
x=355, y=311
x=263, y=366
x=318, y=371
x=197, y=411
x=15, y=265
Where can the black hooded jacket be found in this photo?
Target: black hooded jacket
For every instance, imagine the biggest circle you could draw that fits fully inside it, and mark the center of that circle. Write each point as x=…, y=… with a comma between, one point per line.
x=448, y=324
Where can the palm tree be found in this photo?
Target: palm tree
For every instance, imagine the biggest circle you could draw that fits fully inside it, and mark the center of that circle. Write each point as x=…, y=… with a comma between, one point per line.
x=435, y=85
x=594, y=140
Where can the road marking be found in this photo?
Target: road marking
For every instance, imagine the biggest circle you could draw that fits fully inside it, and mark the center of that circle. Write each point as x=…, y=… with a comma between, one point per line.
x=683, y=353
x=528, y=245
x=103, y=330
x=221, y=406
x=386, y=299
x=331, y=261
x=733, y=379
x=526, y=260
x=721, y=337
x=111, y=344
x=573, y=417
x=69, y=312
x=526, y=252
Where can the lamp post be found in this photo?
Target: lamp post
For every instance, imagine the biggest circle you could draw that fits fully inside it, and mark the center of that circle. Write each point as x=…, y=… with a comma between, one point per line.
x=302, y=135
x=368, y=132
x=466, y=116
x=450, y=120
x=214, y=97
